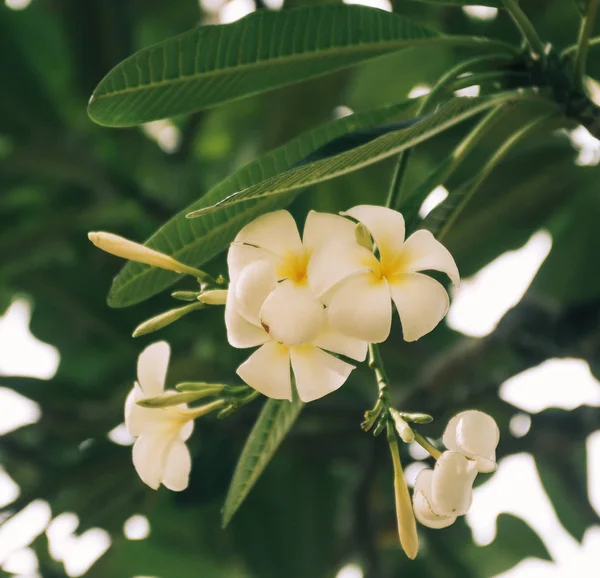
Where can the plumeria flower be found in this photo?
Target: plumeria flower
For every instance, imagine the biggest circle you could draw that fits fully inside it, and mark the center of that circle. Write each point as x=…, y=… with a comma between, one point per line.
x=270, y=303
x=160, y=455
x=446, y=492
x=359, y=286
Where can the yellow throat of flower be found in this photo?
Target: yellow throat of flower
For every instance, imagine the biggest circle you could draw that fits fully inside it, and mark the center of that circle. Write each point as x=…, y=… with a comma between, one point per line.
x=293, y=267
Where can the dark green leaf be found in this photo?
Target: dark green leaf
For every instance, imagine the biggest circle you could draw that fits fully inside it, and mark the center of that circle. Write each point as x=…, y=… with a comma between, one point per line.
x=491, y=3
x=198, y=240
x=272, y=425
x=215, y=64
x=450, y=114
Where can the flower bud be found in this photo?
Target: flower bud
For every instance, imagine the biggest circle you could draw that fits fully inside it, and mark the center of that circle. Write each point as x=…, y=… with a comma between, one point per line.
x=165, y=319
x=215, y=297
x=168, y=399
x=404, y=430
x=121, y=247
x=363, y=237
x=185, y=295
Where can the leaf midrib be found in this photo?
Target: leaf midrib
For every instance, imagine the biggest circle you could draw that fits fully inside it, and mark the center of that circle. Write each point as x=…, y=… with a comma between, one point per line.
x=270, y=62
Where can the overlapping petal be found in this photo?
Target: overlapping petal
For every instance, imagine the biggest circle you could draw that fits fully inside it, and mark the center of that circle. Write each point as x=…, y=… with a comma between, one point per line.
x=178, y=465
x=152, y=368
x=241, y=333
x=317, y=373
x=452, y=484
x=474, y=434
x=291, y=314
x=421, y=302
x=149, y=457
x=385, y=225
x=422, y=500
x=240, y=256
x=361, y=308
x=423, y=252
x=321, y=229
x=337, y=342
x=268, y=371
x=255, y=282
x=276, y=232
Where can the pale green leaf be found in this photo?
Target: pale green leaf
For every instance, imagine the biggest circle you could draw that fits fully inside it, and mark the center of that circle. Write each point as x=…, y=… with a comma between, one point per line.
x=272, y=425
x=199, y=240
x=211, y=65
x=452, y=113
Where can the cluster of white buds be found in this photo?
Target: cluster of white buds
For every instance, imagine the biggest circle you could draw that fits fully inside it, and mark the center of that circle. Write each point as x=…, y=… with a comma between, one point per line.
x=329, y=292
x=446, y=492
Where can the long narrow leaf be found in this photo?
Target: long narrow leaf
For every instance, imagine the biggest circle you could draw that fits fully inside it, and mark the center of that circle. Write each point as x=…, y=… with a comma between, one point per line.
x=454, y=112
x=198, y=240
x=272, y=425
x=211, y=65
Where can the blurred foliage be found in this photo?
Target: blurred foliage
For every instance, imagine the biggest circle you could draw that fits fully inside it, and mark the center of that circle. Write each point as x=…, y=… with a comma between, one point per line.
x=326, y=499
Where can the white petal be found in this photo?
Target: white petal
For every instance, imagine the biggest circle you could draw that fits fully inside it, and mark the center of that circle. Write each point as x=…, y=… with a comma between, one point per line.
x=361, y=307
x=385, y=225
x=422, y=503
x=149, y=457
x=338, y=342
x=317, y=373
x=452, y=484
x=324, y=228
x=178, y=465
x=275, y=232
x=423, y=252
x=335, y=262
x=138, y=420
x=422, y=303
x=268, y=371
x=240, y=333
x=240, y=256
x=254, y=284
x=474, y=434
x=291, y=315
x=186, y=431
x=152, y=368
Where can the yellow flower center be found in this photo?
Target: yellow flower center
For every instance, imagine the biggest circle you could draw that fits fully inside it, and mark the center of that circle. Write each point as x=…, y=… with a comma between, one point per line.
x=293, y=267
x=390, y=266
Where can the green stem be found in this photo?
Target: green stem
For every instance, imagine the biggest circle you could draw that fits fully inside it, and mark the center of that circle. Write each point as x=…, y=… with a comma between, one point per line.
x=526, y=27
x=383, y=400
x=196, y=412
x=488, y=168
x=395, y=192
x=592, y=43
x=429, y=448
x=583, y=42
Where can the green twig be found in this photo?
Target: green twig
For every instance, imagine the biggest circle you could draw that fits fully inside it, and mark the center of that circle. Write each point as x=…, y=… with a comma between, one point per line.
x=526, y=27
x=395, y=192
x=489, y=167
x=592, y=43
x=583, y=41
x=383, y=400
x=429, y=448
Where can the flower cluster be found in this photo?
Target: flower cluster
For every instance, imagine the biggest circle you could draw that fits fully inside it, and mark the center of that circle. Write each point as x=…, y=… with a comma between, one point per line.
x=444, y=493
x=330, y=292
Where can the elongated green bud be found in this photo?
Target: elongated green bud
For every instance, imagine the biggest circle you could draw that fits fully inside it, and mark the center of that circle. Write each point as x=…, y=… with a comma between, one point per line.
x=185, y=295
x=121, y=247
x=200, y=387
x=407, y=526
x=168, y=399
x=165, y=319
x=416, y=417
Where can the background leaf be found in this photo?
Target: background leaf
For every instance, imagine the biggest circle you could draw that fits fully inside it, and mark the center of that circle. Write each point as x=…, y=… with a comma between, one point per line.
x=215, y=64
x=273, y=424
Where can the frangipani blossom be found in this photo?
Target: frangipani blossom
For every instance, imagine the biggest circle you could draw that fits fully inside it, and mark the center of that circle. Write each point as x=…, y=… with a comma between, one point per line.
x=160, y=455
x=442, y=494
x=359, y=287
x=475, y=435
x=270, y=303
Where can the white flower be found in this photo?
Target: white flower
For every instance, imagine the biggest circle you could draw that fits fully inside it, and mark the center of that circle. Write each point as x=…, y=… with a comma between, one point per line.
x=160, y=455
x=475, y=435
x=270, y=303
x=359, y=287
x=442, y=494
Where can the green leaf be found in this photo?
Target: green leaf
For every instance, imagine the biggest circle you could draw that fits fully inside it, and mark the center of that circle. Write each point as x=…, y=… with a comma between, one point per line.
x=450, y=114
x=199, y=240
x=272, y=425
x=490, y=3
x=211, y=65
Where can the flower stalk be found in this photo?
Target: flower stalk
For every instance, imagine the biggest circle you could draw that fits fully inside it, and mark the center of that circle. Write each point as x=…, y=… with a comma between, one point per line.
x=429, y=448
x=526, y=27
x=583, y=41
